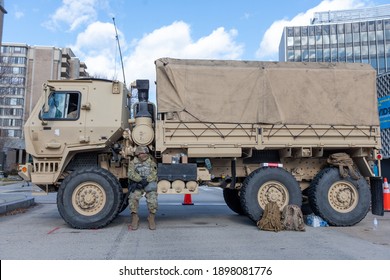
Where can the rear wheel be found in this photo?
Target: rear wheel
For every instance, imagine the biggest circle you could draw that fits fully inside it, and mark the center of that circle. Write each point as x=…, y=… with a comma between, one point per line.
x=339, y=201
x=265, y=185
x=232, y=199
x=89, y=198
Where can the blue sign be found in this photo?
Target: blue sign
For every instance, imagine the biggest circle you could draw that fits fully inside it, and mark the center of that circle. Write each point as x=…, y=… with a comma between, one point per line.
x=384, y=111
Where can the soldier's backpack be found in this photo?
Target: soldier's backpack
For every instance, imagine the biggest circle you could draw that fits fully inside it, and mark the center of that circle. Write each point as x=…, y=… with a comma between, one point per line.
x=292, y=218
x=271, y=218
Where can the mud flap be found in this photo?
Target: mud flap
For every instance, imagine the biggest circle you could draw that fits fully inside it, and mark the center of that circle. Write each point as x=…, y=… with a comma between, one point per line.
x=376, y=196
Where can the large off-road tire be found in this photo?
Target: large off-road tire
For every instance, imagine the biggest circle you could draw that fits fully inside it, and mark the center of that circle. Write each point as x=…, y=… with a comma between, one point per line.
x=89, y=198
x=232, y=199
x=339, y=201
x=265, y=185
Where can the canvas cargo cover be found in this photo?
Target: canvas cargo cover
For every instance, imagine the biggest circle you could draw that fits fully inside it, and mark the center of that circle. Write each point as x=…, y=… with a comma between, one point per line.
x=225, y=91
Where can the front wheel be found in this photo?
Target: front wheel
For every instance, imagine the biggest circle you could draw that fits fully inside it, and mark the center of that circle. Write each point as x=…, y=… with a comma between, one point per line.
x=339, y=201
x=89, y=198
x=265, y=185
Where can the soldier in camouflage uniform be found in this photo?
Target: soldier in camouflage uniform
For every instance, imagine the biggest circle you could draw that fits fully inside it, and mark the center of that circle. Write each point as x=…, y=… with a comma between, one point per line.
x=142, y=175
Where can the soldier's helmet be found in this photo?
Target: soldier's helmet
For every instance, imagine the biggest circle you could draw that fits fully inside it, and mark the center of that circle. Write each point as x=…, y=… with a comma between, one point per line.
x=141, y=150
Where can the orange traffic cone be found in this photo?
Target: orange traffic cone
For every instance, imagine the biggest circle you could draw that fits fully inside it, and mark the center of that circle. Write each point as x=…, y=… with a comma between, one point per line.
x=187, y=200
x=386, y=195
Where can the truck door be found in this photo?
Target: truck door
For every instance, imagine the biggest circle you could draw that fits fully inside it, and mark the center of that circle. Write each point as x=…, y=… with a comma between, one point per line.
x=63, y=125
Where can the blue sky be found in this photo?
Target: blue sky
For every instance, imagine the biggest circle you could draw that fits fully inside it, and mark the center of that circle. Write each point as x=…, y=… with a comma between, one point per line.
x=149, y=29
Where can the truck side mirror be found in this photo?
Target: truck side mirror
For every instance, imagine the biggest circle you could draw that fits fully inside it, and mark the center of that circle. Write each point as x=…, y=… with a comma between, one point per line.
x=47, y=89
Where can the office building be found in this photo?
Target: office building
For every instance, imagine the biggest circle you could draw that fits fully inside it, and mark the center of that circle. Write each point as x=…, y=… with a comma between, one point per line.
x=359, y=36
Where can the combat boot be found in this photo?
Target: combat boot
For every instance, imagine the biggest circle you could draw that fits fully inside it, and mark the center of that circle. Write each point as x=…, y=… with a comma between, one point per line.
x=134, y=221
x=152, y=223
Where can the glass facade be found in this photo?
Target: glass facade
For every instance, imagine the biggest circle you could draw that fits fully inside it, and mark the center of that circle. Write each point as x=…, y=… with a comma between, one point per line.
x=360, y=36
x=364, y=42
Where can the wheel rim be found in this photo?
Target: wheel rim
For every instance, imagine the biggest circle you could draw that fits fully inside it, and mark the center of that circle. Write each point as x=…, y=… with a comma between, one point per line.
x=343, y=196
x=89, y=198
x=273, y=191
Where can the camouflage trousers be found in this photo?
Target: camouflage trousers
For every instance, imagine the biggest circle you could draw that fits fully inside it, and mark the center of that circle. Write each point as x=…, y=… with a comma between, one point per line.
x=151, y=200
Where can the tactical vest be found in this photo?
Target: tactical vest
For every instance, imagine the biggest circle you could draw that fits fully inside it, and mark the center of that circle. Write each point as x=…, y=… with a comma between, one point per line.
x=142, y=167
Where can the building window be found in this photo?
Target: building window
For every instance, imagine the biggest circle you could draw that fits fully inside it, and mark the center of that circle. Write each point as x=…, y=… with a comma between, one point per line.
x=371, y=26
x=326, y=39
x=312, y=55
x=297, y=41
x=305, y=55
x=364, y=52
x=290, y=41
x=355, y=27
x=297, y=55
x=348, y=28
x=342, y=54
x=341, y=38
x=319, y=54
x=304, y=41
x=356, y=37
x=334, y=54
x=290, y=55
x=349, y=54
x=381, y=50
x=318, y=39
x=387, y=35
x=348, y=38
x=327, y=55
x=388, y=64
x=297, y=31
x=379, y=36
x=290, y=32
x=333, y=39
x=371, y=36
x=373, y=50
x=382, y=65
x=364, y=37
x=356, y=51
x=312, y=41
x=373, y=63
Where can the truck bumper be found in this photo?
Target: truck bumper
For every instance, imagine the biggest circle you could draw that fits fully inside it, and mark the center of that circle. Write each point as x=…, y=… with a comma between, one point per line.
x=24, y=171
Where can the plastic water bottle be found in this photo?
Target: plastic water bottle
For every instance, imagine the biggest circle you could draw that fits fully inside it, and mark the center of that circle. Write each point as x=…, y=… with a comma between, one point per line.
x=316, y=222
x=375, y=224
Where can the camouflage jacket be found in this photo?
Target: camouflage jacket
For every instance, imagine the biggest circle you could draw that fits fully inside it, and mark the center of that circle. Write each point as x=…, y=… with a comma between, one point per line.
x=142, y=169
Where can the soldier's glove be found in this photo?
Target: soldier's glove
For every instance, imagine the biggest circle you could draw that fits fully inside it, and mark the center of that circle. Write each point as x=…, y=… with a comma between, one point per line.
x=144, y=182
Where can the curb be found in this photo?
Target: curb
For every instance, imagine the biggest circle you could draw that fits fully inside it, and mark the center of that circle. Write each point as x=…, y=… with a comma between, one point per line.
x=20, y=203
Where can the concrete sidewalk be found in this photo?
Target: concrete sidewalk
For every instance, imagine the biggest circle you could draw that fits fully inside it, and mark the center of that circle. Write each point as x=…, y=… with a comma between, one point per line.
x=15, y=195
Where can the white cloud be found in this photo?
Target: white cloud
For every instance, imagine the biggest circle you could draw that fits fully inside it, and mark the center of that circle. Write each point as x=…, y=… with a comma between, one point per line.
x=18, y=14
x=97, y=46
x=169, y=41
x=74, y=13
x=175, y=41
x=269, y=45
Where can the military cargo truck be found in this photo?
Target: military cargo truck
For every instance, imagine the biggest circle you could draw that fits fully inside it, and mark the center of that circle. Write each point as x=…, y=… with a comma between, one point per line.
x=293, y=133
